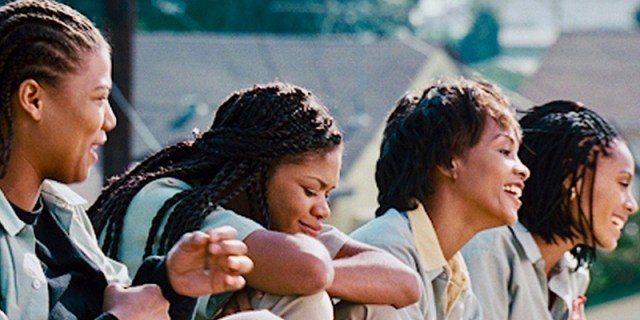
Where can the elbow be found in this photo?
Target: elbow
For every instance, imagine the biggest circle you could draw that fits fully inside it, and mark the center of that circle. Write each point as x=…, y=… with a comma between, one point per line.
x=321, y=275
x=317, y=267
x=410, y=292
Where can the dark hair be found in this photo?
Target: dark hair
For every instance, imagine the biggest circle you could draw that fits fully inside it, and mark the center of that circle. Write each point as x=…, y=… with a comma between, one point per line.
x=41, y=40
x=561, y=143
x=253, y=131
x=429, y=129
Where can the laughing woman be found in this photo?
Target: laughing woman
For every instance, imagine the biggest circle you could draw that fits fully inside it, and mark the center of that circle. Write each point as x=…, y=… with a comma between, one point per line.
x=55, y=80
x=577, y=199
x=448, y=169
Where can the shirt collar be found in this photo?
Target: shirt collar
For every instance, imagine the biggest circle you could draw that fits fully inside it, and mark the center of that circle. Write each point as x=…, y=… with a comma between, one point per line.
x=432, y=258
x=426, y=240
x=8, y=219
x=525, y=239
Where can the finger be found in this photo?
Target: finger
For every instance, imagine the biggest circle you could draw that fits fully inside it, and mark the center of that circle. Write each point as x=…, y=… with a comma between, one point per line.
x=221, y=233
x=239, y=264
x=234, y=282
x=228, y=247
x=192, y=241
x=114, y=288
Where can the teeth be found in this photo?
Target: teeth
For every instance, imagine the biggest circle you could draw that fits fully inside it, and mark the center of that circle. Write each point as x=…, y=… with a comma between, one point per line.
x=617, y=222
x=515, y=190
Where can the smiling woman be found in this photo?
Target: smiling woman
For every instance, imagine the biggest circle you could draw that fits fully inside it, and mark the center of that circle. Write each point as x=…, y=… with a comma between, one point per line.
x=266, y=166
x=448, y=169
x=55, y=78
x=577, y=199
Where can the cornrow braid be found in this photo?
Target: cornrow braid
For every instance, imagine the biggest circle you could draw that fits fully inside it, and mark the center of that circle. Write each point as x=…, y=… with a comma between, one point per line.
x=253, y=131
x=562, y=142
x=41, y=40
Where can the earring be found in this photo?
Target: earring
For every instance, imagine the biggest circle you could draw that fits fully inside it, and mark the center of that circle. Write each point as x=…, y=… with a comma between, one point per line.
x=573, y=193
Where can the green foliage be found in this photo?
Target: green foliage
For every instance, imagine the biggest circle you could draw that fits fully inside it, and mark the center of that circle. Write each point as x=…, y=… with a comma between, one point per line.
x=616, y=274
x=481, y=43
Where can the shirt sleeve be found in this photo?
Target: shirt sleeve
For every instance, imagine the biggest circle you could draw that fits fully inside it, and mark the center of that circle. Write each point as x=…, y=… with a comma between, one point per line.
x=154, y=270
x=333, y=239
x=223, y=217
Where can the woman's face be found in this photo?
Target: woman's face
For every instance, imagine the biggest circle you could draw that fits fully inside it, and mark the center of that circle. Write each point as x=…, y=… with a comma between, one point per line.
x=297, y=192
x=490, y=177
x=613, y=200
x=76, y=118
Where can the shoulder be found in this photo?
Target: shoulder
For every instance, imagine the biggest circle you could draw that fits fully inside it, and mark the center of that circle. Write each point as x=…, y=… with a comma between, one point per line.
x=61, y=194
x=498, y=241
x=389, y=230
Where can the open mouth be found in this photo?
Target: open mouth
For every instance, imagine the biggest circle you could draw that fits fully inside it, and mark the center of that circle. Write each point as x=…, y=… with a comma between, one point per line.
x=618, y=221
x=513, y=189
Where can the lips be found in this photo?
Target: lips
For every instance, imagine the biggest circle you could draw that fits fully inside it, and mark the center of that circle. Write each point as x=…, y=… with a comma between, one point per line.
x=618, y=221
x=514, y=189
x=311, y=230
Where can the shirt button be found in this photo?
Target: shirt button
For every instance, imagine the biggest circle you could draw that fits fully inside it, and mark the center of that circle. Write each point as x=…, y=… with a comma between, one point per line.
x=36, y=284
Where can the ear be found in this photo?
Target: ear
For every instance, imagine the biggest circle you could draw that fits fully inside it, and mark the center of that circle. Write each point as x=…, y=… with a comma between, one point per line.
x=452, y=171
x=30, y=98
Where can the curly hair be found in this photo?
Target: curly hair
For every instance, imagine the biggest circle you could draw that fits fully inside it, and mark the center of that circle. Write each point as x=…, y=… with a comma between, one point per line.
x=41, y=40
x=561, y=144
x=429, y=129
x=253, y=130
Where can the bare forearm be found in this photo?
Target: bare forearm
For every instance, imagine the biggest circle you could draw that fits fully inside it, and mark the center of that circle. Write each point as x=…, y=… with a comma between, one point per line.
x=374, y=277
x=288, y=264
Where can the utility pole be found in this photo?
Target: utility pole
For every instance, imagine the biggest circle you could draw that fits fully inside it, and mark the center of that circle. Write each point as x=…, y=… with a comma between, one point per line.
x=120, y=20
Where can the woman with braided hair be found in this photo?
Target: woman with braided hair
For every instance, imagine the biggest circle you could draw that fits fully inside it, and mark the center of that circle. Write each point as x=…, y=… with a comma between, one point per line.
x=577, y=199
x=266, y=167
x=55, y=78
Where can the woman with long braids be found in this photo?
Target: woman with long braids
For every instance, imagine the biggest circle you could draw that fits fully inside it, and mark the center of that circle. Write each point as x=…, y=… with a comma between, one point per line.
x=266, y=166
x=55, y=78
x=448, y=169
x=577, y=199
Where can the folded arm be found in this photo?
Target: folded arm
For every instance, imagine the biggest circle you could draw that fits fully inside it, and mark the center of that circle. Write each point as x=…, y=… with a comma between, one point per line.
x=287, y=264
x=365, y=274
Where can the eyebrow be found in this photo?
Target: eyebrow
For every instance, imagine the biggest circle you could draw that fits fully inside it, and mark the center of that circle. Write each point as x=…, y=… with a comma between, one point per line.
x=506, y=135
x=323, y=184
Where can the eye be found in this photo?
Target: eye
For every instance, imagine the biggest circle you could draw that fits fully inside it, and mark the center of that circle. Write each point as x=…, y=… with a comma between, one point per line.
x=309, y=192
x=506, y=152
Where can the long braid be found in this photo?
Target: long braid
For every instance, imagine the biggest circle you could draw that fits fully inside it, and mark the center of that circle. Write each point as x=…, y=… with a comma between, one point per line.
x=41, y=40
x=562, y=140
x=253, y=130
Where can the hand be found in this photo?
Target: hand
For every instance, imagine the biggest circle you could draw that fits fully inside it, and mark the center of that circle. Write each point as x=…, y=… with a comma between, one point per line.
x=209, y=262
x=239, y=302
x=139, y=302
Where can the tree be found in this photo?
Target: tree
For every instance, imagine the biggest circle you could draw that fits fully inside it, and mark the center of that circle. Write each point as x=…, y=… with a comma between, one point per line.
x=481, y=43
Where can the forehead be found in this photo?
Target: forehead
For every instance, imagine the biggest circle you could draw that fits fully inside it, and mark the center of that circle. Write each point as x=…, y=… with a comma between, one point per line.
x=494, y=129
x=93, y=71
x=619, y=157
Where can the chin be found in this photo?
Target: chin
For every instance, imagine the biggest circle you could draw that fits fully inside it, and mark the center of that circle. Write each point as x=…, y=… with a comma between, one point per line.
x=608, y=247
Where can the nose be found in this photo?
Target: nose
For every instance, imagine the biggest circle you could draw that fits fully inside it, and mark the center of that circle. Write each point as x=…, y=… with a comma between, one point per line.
x=521, y=170
x=110, y=120
x=631, y=205
x=321, y=209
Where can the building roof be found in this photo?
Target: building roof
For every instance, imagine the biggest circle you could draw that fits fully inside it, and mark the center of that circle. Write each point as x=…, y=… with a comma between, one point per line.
x=359, y=80
x=600, y=69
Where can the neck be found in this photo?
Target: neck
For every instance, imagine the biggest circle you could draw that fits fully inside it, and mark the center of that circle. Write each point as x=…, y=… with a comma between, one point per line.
x=450, y=223
x=552, y=253
x=21, y=185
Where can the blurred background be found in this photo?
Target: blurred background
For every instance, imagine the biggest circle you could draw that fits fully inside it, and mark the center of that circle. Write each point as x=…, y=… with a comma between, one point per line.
x=176, y=60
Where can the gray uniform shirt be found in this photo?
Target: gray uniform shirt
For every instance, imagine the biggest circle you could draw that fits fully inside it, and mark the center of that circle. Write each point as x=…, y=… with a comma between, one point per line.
x=507, y=273
x=393, y=232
